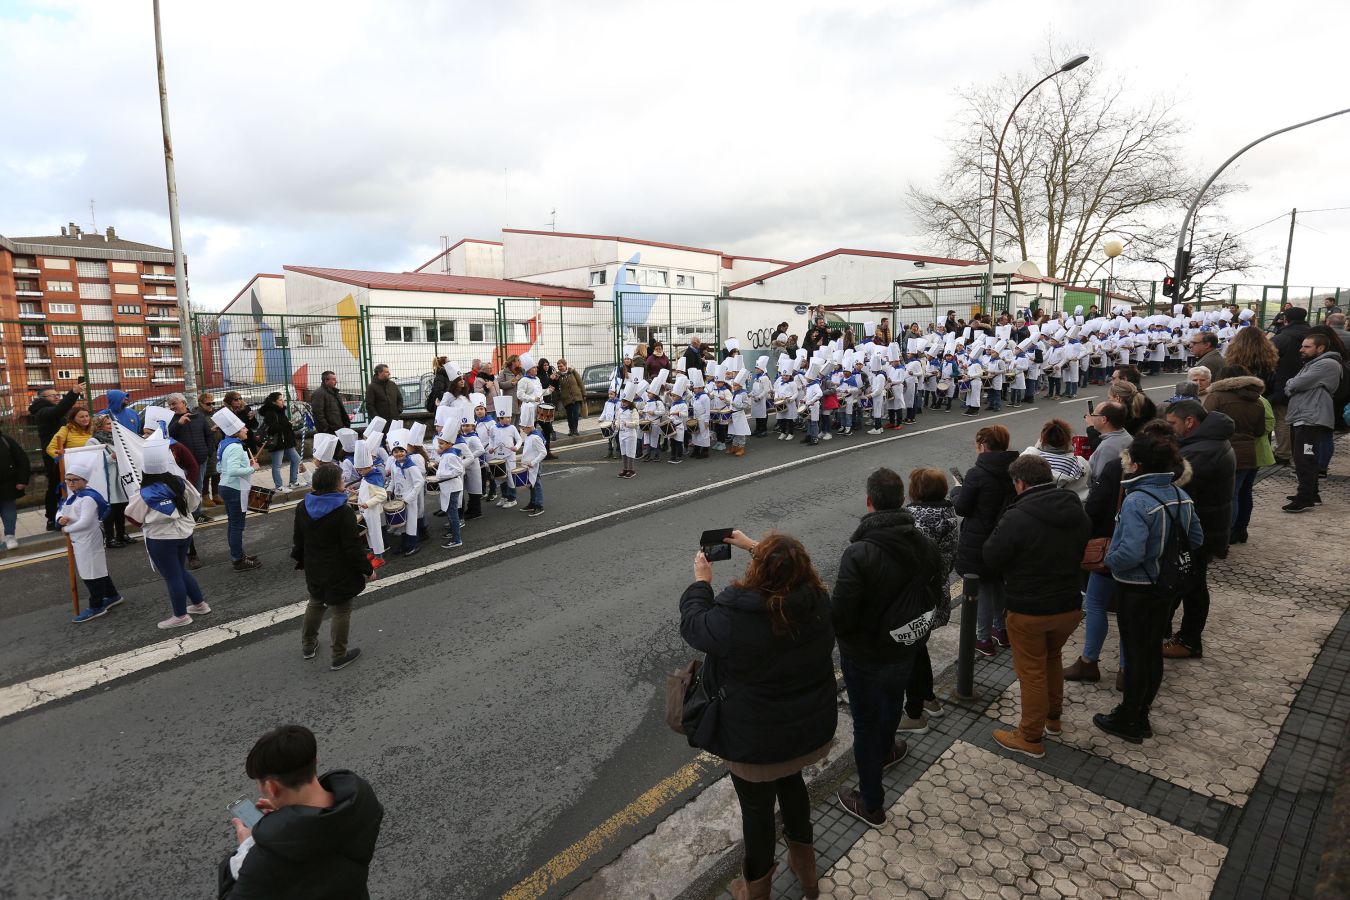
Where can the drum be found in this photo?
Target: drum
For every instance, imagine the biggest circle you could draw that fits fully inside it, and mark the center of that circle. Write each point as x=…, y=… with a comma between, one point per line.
x=497, y=469
x=944, y=385
x=606, y=432
x=545, y=412
x=644, y=422
x=724, y=418
x=867, y=402
x=521, y=477
x=668, y=429
x=260, y=499
x=433, y=486
x=780, y=406
x=396, y=513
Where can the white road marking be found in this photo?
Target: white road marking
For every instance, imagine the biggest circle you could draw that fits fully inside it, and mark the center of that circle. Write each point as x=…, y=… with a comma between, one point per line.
x=45, y=689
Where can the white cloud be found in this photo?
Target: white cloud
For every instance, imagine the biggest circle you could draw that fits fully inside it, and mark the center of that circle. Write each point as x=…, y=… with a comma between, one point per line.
x=346, y=133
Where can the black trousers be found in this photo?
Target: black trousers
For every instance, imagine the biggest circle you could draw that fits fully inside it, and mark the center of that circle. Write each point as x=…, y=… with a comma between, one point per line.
x=757, y=824
x=1303, y=441
x=920, y=687
x=1195, y=605
x=1143, y=616
x=52, y=498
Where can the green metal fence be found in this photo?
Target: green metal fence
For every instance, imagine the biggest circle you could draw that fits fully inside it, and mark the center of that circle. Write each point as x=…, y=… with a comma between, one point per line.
x=672, y=319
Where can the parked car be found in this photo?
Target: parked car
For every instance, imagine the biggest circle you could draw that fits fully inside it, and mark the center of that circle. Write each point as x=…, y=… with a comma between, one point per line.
x=595, y=380
x=415, y=392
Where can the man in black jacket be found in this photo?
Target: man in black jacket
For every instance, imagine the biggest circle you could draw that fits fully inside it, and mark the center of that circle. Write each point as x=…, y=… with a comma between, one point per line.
x=886, y=553
x=1287, y=342
x=693, y=355
x=49, y=415
x=317, y=834
x=327, y=545
x=330, y=413
x=1037, y=547
x=1204, y=439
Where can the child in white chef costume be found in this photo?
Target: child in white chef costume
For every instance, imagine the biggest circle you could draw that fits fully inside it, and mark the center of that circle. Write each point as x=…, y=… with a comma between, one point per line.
x=627, y=424
x=532, y=456
x=80, y=516
x=449, y=475
x=371, y=496
x=502, y=445
x=407, y=481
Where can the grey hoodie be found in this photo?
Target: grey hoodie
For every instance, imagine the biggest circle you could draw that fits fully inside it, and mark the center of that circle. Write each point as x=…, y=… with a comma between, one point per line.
x=1310, y=391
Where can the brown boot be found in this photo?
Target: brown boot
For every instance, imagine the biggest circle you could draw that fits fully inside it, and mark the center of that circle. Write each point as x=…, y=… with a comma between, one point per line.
x=759, y=889
x=802, y=862
x=1120, y=681
x=1082, y=670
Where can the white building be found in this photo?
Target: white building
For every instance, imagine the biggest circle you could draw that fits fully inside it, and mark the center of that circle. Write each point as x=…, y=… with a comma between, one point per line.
x=469, y=256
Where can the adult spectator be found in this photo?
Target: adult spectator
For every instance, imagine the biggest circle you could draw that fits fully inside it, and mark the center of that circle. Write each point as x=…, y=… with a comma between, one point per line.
x=486, y=384
x=883, y=335
x=15, y=474
x=234, y=402
x=1252, y=349
x=1336, y=322
x=383, y=398
x=1201, y=377
x=979, y=501
x=885, y=553
x=326, y=405
x=192, y=429
x=1237, y=394
x=318, y=832
x=1329, y=308
x=236, y=479
x=1288, y=344
x=769, y=646
x=116, y=409
x=440, y=382
x=1339, y=399
x=1055, y=446
x=656, y=361
x=280, y=441
x=78, y=431
x=509, y=376
x=949, y=325
x=571, y=393
x=818, y=335
x=1037, y=548
x=936, y=519
x=328, y=547
x=1109, y=421
x=1205, y=348
x=693, y=355
x=1153, y=505
x=210, y=493
x=1205, y=441
x=164, y=509
x=1310, y=392
x=115, y=520
x=49, y=410
x=1137, y=411
x=472, y=374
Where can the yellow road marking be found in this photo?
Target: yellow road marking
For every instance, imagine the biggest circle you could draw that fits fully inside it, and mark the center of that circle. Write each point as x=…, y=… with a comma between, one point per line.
x=571, y=859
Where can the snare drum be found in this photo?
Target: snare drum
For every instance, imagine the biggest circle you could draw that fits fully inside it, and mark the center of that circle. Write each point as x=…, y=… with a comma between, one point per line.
x=545, y=412
x=497, y=470
x=396, y=513
x=606, y=432
x=944, y=385
x=521, y=478
x=780, y=406
x=644, y=422
x=259, y=499
x=668, y=429
x=724, y=418
x=433, y=486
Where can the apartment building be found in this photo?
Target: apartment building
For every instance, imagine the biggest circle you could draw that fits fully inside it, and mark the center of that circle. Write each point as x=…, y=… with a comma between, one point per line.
x=87, y=303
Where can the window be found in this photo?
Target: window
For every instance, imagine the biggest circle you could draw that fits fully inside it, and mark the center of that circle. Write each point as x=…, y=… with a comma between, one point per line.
x=67, y=330
x=103, y=376
x=133, y=352
x=578, y=336
x=439, y=330
x=101, y=355
x=34, y=353
x=400, y=334
x=157, y=270
x=91, y=268
x=161, y=291
x=126, y=288
x=96, y=313
x=63, y=287
x=67, y=352
x=49, y=263
x=100, y=333
x=123, y=267
x=598, y=278
x=130, y=330
x=657, y=277
x=684, y=281
x=40, y=376
x=171, y=334
x=135, y=373
x=482, y=333
x=128, y=310
x=250, y=342
x=64, y=309
x=93, y=291
x=632, y=276
x=518, y=332
x=26, y=308
x=25, y=285
x=311, y=335
x=25, y=262
x=66, y=374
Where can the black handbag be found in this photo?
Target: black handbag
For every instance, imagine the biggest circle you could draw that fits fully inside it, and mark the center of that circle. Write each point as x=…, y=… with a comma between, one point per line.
x=691, y=708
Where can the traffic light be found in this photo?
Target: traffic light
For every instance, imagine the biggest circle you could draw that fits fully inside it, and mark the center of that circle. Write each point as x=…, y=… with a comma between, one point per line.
x=1169, y=286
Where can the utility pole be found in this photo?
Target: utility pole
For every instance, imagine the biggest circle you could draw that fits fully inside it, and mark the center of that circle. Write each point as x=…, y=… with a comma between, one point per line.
x=1288, y=252
x=185, y=324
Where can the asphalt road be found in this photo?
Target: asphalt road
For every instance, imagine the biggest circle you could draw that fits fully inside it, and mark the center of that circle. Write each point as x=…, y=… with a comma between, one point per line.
x=502, y=709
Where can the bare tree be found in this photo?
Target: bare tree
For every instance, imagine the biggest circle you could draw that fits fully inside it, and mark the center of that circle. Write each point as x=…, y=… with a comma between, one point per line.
x=1216, y=250
x=1079, y=163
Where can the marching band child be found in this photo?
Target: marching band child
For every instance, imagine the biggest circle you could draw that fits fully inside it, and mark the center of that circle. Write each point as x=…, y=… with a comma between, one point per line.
x=895, y=395
x=471, y=453
x=529, y=391
x=654, y=412
x=502, y=446
x=347, y=439
x=371, y=495
x=532, y=458
x=81, y=516
x=627, y=423
x=607, y=416
x=484, y=425
x=739, y=404
x=972, y=385
x=717, y=404
x=760, y=388
x=877, y=389
x=785, y=394
x=450, y=476
x=811, y=403
x=700, y=415
x=679, y=417
x=407, y=481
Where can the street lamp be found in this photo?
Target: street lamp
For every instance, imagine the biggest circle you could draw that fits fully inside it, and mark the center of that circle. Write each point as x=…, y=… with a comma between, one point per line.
x=998, y=157
x=1112, y=249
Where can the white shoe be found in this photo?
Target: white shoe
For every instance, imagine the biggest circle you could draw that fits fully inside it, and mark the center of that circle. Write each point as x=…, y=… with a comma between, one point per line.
x=198, y=609
x=11, y=542
x=874, y=431
x=499, y=502
x=827, y=436
x=176, y=622
x=508, y=504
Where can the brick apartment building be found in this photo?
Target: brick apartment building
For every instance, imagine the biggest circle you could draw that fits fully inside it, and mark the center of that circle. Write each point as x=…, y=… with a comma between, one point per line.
x=86, y=303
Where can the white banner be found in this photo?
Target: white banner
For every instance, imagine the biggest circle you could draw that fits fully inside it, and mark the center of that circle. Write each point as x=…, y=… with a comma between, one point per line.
x=127, y=446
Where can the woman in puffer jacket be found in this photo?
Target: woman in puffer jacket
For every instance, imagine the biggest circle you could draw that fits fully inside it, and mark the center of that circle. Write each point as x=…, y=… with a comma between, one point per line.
x=935, y=516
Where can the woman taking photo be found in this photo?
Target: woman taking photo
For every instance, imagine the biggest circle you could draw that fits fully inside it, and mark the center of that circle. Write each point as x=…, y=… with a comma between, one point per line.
x=769, y=645
x=163, y=508
x=281, y=440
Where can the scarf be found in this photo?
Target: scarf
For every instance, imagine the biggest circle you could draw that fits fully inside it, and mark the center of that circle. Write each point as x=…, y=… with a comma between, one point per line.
x=224, y=445
x=94, y=495
x=159, y=497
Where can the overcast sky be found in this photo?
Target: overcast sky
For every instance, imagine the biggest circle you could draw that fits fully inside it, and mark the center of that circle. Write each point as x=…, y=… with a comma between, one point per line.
x=354, y=134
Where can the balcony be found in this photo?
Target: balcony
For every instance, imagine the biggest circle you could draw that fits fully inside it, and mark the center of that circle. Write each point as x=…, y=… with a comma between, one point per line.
x=37, y=361
x=34, y=338
x=154, y=278
x=39, y=315
x=162, y=340
x=165, y=360
x=159, y=317
x=44, y=380
x=25, y=270
x=28, y=293
x=160, y=298
x=166, y=379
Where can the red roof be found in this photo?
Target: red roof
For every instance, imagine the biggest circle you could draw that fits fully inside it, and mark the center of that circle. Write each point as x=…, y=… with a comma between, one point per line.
x=444, y=284
x=611, y=237
x=446, y=251
x=912, y=257
x=728, y=257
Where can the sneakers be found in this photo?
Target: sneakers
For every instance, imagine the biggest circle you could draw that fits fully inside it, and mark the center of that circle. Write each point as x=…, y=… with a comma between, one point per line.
x=1116, y=724
x=11, y=542
x=899, y=750
x=1082, y=670
x=175, y=622
x=537, y=511
x=509, y=504
x=1000, y=637
x=308, y=652
x=347, y=659
x=198, y=609
x=1298, y=506
x=113, y=602
x=986, y=648
x=914, y=726
x=1054, y=727
x=246, y=564
x=90, y=613
x=934, y=708
x=451, y=544
x=1013, y=740
x=827, y=436
x=874, y=431
x=1173, y=648
x=851, y=801
x=411, y=550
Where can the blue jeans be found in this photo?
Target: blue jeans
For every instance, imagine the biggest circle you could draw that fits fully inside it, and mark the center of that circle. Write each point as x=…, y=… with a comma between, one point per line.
x=277, y=457
x=170, y=559
x=234, y=533
x=1096, y=618
x=508, y=488
x=9, y=514
x=876, y=698
x=537, y=492
x=995, y=400
x=1242, y=498
x=452, y=513
x=989, y=612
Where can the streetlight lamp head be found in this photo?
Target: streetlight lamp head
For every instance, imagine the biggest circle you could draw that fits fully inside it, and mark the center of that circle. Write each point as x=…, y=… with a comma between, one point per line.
x=1113, y=248
x=1074, y=63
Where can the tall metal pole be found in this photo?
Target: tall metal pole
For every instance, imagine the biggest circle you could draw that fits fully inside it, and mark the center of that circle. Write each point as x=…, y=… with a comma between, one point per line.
x=1183, y=256
x=179, y=273
x=998, y=158
x=1288, y=253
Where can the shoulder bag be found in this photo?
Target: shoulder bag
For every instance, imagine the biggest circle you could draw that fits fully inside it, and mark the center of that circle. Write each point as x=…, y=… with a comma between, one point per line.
x=691, y=706
x=1094, y=554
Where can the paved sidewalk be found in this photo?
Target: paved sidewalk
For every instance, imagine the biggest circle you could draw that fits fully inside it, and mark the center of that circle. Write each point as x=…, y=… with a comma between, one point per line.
x=1232, y=798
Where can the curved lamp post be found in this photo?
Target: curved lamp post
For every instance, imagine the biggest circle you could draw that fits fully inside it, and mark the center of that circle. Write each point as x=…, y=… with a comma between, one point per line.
x=998, y=158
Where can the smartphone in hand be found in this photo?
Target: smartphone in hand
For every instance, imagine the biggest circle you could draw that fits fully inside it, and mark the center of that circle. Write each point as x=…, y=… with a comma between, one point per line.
x=1091, y=407
x=245, y=810
x=956, y=475
x=714, y=546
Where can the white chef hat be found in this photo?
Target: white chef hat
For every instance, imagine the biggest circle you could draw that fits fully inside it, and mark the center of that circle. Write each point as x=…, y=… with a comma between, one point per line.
x=445, y=415
x=893, y=352
x=876, y=362
x=659, y=381
x=630, y=391
x=158, y=419
x=527, y=361
x=1177, y=308
x=846, y=358
x=869, y=329
x=742, y=377
x=680, y=386
x=501, y=406
x=1000, y=344
x=696, y=378
x=762, y=363
x=784, y=363
x=813, y=371
x=801, y=354
x=1078, y=310
x=715, y=373
x=681, y=364
x=227, y=422
x=157, y=458
x=372, y=438
x=417, y=434
x=398, y=439
x=447, y=437
x=361, y=458
x=731, y=344
x=325, y=445
x=628, y=351
x=1246, y=315
x=451, y=371
x=396, y=425
x=83, y=464
x=376, y=425
x=478, y=400
x=346, y=437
